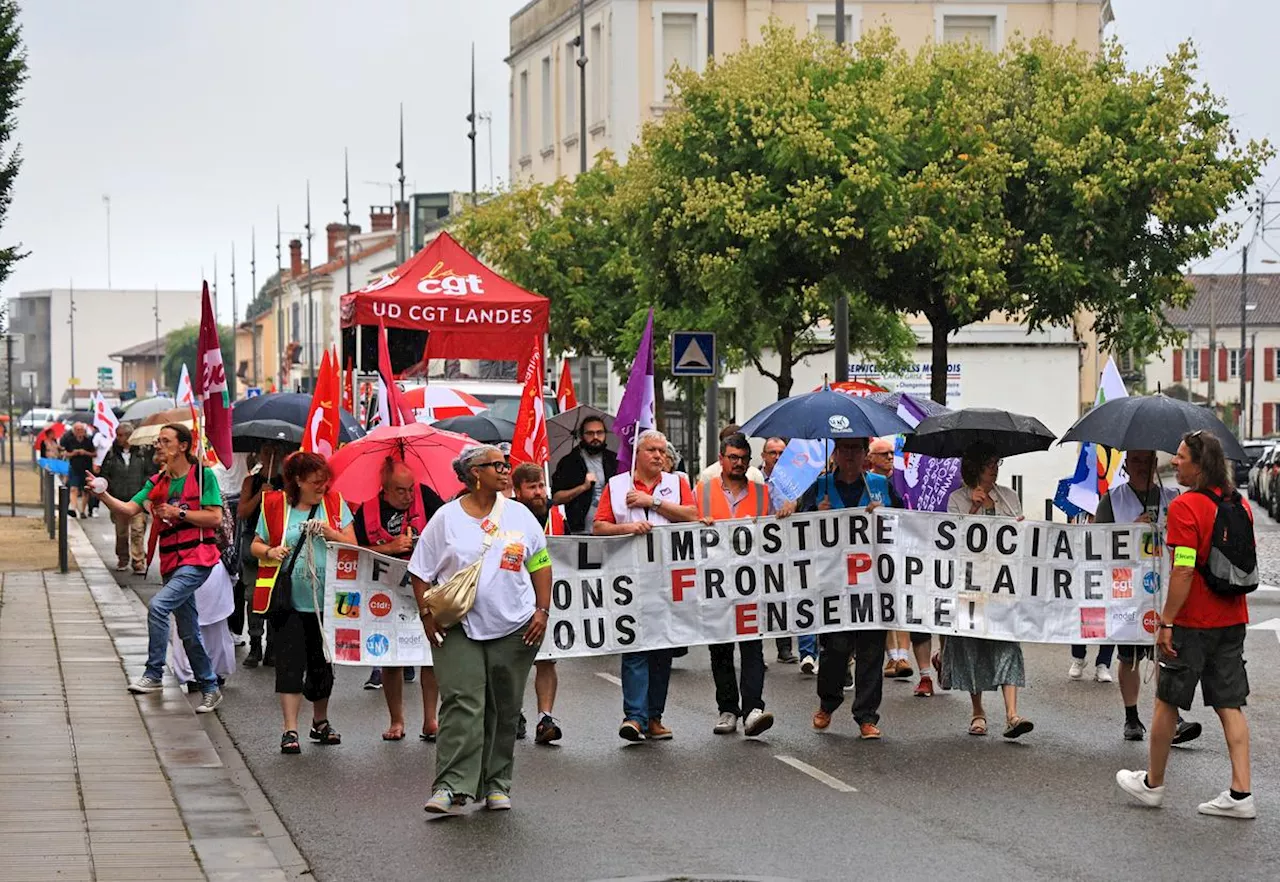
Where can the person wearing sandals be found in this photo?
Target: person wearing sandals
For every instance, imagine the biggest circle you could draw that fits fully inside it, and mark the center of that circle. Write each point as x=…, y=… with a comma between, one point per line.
x=972, y=664
x=292, y=530
x=482, y=663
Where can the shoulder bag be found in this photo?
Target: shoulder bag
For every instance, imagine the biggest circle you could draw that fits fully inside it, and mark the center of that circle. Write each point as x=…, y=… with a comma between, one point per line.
x=452, y=599
x=282, y=591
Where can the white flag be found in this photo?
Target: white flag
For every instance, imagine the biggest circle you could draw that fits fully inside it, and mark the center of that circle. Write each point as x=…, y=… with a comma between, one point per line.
x=185, y=397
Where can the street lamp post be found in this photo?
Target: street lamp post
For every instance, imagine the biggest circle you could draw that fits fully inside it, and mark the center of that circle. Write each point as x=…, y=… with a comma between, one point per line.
x=841, y=318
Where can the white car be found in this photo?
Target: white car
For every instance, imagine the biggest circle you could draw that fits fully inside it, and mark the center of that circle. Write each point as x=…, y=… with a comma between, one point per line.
x=36, y=420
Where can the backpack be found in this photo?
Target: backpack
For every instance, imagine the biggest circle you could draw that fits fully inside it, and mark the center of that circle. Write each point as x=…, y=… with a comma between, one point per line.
x=1232, y=567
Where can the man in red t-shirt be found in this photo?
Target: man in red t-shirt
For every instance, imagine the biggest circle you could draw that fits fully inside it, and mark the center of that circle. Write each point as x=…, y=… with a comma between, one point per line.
x=1201, y=637
x=631, y=505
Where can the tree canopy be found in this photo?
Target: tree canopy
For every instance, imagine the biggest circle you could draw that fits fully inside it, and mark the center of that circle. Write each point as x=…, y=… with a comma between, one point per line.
x=181, y=346
x=13, y=73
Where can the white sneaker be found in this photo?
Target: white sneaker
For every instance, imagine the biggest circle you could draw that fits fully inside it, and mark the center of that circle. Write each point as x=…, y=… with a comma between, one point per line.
x=1102, y=674
x=145, y=684
x=1135, y=784
x=757, y=722
x=727, y=724
x=808, y=666
x=1076, y=671
x=1226, y=807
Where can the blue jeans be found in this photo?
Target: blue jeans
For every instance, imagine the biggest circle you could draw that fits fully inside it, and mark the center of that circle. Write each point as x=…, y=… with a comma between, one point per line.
x=1080, y=651
x=808, y=645
x=178, y=596
x=645, y=677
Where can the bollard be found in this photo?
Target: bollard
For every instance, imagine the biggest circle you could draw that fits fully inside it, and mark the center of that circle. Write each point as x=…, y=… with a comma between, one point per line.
x=1048, y=509
x=50, y=520
x=64, y=502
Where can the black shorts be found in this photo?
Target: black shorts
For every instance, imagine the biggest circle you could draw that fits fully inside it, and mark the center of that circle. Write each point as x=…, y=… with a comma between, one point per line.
x=1131, y=654
x=1210, y=657
x=918, y=639
x=76, y=480
x=299, y=655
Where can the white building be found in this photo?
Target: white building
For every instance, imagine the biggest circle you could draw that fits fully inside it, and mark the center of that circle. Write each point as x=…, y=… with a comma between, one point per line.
x=60, y=350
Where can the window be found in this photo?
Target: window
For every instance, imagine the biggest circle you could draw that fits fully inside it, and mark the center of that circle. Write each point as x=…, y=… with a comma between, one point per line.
x=825, y=24
x=980, y=29
x=727, y=404
x=591, y=381
x=1233, y=364
x=1191, y=364
x=524, y=113
x=595, y=64
x=570, y=65
x=1276, y=359
x=548, y=107
x=679, y=42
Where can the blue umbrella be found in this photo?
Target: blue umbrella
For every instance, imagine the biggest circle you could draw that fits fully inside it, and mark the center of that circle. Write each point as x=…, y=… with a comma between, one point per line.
x=825, y=414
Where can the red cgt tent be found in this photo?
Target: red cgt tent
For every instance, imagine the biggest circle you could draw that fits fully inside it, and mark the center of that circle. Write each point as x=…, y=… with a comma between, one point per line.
x=469, y=310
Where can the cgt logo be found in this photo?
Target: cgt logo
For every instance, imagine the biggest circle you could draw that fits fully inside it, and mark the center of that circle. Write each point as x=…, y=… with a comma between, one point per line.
x=1150, y=621
x=444, y=281
x=380, y=605
x=348, y=561
x=1121, y=583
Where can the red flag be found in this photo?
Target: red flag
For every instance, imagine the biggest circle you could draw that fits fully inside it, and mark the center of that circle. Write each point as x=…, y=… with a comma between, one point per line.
x=348, y=389
x=320, y=434
x=211, y=383
x=565, y=396
x=529, y=443
x=390, y=411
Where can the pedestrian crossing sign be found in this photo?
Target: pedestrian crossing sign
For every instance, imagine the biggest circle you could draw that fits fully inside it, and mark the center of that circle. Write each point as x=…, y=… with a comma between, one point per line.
x=693, y=354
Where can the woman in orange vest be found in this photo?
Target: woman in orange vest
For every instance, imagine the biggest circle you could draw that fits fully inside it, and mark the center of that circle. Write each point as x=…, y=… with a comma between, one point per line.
x=306, y=510
x=186, y=509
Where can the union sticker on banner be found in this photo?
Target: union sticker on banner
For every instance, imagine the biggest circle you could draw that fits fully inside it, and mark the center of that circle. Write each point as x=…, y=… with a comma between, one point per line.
x=411, y=648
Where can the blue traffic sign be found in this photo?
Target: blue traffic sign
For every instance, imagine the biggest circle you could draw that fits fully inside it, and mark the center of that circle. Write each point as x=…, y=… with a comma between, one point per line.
x=252, y=391
x=693, y=354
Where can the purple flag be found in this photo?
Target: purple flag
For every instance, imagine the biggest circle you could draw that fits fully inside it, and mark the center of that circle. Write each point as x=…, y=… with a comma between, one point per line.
x=636, y=410
x=925, y=483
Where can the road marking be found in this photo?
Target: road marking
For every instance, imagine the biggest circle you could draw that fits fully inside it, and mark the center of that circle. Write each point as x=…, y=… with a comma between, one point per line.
x=817, y=774
x=1272, y=625
x=610, y=677
x=1268, y=589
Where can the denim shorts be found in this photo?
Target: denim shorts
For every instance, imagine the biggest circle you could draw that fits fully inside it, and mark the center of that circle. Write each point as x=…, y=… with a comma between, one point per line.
x=1210, y=657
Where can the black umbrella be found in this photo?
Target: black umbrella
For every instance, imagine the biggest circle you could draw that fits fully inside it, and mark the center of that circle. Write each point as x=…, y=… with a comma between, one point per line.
x=250, y=435
x=892, y=399
x=1150, y=422
x=291, y=408
x=482, y=427
x=951, y=434
x=77, y=416
x=825, y=414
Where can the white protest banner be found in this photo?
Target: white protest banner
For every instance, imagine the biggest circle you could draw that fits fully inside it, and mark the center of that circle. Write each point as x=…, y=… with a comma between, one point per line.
x=690, y=584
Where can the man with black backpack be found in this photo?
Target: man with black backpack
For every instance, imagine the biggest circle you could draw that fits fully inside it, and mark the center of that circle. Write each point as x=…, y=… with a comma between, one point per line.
x=1202, y=625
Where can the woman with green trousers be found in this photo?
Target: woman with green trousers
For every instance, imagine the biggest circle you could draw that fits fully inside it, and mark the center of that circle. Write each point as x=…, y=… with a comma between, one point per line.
x=483, y=661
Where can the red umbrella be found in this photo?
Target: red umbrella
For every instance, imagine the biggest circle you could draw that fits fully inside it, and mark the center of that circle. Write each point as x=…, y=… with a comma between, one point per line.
x=428, y=452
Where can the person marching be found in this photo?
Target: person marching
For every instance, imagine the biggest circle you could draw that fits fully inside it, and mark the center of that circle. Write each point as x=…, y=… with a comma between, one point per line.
x=186, y=509
x=391, y=524
x=265, y=473
x=125, y=471
x=725, y=497
x=305, y=512
x=1141, y=500
x=848, y=486
x=530, y=486
x=580, y=476
x=633, y=504
x=1200, y=641
x=483, y=661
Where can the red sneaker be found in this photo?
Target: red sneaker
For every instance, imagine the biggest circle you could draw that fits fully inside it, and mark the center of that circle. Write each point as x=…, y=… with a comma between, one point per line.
x=924, y=689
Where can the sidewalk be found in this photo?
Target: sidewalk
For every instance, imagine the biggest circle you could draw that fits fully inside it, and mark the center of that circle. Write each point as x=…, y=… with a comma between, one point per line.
x=97, y=784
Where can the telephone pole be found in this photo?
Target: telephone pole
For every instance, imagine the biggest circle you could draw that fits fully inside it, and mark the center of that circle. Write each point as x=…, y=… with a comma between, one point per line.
x=471, y=119
x=311, y=306
x=402, y=246
x=841, y=318
x=1243, y=360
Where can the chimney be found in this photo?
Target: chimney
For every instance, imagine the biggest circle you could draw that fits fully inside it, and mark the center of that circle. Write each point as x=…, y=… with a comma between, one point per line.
x=295, y=258
x=381, y=218
x=337, y=238
x=402, y=216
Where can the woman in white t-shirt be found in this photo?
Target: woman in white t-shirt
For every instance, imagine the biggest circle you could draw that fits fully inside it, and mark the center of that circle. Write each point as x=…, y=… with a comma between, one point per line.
x=484, y=660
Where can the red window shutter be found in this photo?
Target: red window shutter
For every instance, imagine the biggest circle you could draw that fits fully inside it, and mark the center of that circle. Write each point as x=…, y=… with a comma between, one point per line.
x=1177, y=365
x=1248, y=365
x=1269, y=363
x=1222, y=365
x=1204, y=364
x=1268, y=419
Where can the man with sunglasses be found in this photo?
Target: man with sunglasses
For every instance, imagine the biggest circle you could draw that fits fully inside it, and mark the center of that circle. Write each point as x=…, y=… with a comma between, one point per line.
x=730, y=496
x=581, y=474
x=847, y=485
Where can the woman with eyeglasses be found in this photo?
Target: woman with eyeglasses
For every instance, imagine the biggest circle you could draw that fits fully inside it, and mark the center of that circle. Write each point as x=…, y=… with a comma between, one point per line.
x=969, y=663
x=483, y=662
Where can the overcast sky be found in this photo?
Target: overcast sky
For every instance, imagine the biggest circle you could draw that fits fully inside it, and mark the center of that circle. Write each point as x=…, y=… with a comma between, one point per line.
x=198, y=119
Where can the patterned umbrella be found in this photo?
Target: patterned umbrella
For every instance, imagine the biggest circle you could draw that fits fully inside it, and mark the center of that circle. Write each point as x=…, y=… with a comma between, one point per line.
x=435, y=403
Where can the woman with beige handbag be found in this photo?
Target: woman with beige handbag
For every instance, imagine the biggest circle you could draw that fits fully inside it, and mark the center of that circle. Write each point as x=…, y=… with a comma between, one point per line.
x=482, y=577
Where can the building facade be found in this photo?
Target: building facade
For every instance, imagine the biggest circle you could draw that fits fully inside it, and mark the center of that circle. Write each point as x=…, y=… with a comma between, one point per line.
x=71, y=334
x=140, y=366
x=631, y=45
x=1207, y=368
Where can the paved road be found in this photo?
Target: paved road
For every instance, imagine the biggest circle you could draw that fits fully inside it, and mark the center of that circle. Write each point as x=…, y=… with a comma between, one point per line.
x=929, y=800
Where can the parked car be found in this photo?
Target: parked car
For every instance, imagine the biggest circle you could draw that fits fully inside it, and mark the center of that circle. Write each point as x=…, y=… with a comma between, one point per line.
x=35, y=420
x=1252, y=449
x=1253, y=484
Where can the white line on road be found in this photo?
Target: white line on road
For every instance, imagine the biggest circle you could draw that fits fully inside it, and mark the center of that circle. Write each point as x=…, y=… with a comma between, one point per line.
x=610, y=677
x=817, y=774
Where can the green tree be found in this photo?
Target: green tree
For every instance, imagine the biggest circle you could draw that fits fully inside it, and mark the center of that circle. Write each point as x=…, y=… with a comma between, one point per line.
x=265, y=298
x=180, y=347
x=741, y=199
x=13, y=73
x=1042, y=183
